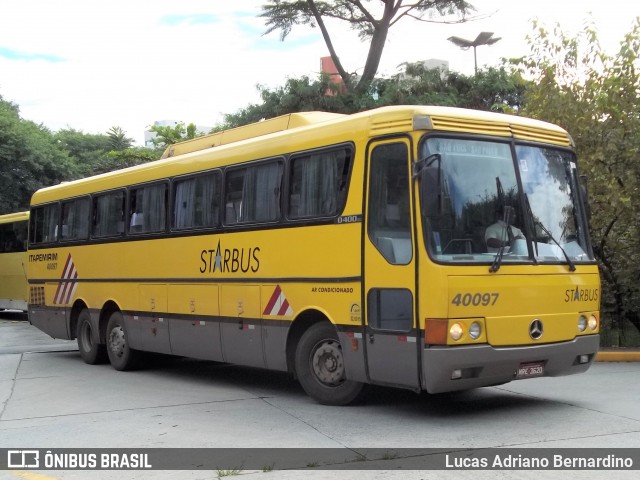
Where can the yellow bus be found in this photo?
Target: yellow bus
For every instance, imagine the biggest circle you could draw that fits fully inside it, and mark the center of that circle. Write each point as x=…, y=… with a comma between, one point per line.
x=345, y=249
x=13, y=267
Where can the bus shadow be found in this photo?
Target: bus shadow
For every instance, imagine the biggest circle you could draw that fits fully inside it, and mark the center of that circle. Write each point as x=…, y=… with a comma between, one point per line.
x=267, y=383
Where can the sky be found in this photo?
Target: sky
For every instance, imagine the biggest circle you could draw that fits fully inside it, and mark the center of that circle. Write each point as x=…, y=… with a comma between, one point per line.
x=92, y=65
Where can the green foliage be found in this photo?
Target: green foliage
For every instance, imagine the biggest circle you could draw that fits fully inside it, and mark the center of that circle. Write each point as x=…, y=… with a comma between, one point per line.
x=167, y=135
x=297, y=95
x=118, y=159
x=99, y=153
x=30, y=158
x=596, y=97
x=84, y=148
x=492, y=89
x=118, y=139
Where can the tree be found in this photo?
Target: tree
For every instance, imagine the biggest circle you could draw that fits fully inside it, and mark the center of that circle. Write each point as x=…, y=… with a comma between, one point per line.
x=283, y=15
x=296, y=95
x=30, y=158
x=494, y=89
x=490, y=89
x=167, y=135
x=86, y=149
x=118, y=139
x=118, y=159
x=595, y=96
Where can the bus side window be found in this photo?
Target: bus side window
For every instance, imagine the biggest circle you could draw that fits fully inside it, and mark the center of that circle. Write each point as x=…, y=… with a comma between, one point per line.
x=75, y=219
x=197, y=201
x=318, y=184
x=233, y=197
x=147, y=207
x=44, y=223
x=108, y=214
x=253, y=193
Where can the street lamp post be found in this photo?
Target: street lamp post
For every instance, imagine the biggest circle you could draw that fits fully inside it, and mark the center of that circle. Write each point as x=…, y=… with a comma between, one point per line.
x=484, y=38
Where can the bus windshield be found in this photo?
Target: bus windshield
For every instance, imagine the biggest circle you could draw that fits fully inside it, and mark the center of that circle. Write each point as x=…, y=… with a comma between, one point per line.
x=479, y=204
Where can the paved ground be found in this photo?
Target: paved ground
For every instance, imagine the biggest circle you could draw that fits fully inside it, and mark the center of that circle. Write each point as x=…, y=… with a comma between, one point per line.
x=50, y=399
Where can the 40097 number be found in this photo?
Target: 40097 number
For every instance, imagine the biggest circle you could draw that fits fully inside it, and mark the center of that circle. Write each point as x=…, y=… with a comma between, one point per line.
x=475, y=299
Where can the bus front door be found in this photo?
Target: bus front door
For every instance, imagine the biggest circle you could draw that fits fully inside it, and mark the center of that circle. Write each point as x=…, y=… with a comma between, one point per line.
x=391, y=341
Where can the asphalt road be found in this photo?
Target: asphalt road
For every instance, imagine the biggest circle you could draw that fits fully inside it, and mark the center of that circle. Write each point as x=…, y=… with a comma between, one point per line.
x=49, y=398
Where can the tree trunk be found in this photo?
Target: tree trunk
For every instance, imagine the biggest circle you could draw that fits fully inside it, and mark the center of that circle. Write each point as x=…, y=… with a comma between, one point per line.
x=378, y=39
x=373, y=58
x=327, y=40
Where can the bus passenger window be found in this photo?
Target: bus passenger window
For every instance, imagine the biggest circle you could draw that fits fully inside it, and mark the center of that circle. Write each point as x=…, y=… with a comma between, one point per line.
x=44, y=224
x=253, y=193
x=108, y=214
x=197, y=201
x=13, y=237
x=75, y=219
x=147, y=209
x=318, y=184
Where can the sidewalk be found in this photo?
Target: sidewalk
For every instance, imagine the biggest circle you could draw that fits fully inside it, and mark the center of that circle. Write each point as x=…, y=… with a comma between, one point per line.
x=612, y=354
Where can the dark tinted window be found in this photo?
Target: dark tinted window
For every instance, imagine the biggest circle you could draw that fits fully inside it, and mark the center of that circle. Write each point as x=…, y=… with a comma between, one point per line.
x=197, y=201
x=318, y=184
x=253, y=193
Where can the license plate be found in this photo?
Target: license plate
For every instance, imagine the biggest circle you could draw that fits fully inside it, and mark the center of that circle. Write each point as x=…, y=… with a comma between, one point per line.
x=529, y=370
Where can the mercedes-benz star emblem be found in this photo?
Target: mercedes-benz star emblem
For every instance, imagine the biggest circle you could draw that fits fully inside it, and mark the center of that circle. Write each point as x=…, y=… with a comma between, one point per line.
x=536, y=329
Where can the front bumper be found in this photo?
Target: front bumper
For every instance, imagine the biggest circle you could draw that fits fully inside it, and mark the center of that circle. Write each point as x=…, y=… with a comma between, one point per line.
x=484, y=365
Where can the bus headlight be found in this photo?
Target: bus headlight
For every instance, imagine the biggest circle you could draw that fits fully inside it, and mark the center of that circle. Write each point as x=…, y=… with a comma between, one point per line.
x=593, y=322
x=475, y=330
x=456, y=331
x=582, y=323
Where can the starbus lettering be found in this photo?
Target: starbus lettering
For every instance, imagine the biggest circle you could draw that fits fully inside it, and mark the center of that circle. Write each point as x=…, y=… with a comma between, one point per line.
x=581, y=295
x=230, y=260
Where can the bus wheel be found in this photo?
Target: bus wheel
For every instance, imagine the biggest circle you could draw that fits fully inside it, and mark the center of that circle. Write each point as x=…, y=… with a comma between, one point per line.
x=320, y=367
x=120, y=355
x=91, y=352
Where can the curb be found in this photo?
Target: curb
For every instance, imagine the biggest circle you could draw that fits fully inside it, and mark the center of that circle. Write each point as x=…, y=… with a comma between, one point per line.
x=624, y=355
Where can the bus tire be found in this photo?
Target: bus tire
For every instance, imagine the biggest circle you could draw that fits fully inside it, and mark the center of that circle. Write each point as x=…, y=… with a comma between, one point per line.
x=91, y=352
x=320, y=367
x=121, y=356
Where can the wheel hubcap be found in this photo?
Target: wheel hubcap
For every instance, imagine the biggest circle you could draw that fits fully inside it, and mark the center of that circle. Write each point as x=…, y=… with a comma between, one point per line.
x=117, y=341
x=327, y=363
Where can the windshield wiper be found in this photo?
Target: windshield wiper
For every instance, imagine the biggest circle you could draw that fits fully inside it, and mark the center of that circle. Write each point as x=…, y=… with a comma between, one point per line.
x=497, y=262
x=532, y=226
x=495, y=265
x=572, y=266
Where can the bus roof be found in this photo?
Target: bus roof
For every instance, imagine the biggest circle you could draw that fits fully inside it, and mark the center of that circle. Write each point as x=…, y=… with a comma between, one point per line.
x=264, y=127
x=14, y=217
x=299, y=131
